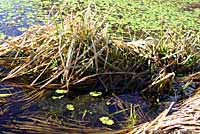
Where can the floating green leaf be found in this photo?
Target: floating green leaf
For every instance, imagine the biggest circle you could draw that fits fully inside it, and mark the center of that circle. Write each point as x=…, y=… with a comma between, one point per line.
x=57, y=97
x=95, y=93
x=61, y=91
x=70, y=107
x=106, y=120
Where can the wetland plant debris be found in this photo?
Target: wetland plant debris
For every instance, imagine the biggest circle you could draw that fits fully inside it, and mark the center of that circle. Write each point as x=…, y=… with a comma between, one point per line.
x=79, y=50
x=67, y=54
x=184, y=118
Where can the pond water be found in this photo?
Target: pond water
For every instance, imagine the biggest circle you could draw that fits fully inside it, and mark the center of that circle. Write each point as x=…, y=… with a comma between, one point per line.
x=16, y=16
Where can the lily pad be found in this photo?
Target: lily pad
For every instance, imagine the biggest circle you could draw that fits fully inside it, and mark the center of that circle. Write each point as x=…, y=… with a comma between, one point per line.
x=95, y=93
x=106, y=120
x=61, y=91
x=57, y=97
x=70, y=107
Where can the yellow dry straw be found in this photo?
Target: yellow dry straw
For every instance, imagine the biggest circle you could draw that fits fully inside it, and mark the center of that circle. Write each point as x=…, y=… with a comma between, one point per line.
x=66, y=52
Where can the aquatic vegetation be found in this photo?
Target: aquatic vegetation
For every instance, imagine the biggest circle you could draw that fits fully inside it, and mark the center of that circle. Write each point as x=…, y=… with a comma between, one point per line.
x=136, y=15
x=57, y=97
x=17, y=15
x=106, y=120
x=94, y=46
x=77, y=50
x=70, y=107
x=61, y=91
x=124, y=16
x=95, y=93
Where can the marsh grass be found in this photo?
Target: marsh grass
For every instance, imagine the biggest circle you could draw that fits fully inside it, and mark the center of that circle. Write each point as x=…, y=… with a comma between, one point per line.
x=65, y=53
x=78, y=49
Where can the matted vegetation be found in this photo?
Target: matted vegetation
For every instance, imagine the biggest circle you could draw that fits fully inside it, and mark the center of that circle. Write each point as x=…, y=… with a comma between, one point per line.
x=79, y=50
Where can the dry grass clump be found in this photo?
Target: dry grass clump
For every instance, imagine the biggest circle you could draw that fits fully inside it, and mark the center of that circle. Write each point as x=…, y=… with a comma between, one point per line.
x=66, y=53
x=78, y=49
